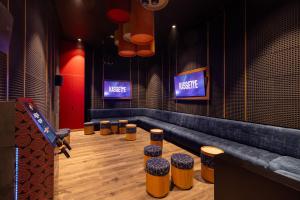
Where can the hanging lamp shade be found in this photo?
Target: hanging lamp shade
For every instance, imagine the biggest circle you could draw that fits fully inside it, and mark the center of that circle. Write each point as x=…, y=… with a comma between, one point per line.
x=127, y=31
x=146, y=50
x=117, y=37
x=118, y=11
x=126, y=49
x=142, y=24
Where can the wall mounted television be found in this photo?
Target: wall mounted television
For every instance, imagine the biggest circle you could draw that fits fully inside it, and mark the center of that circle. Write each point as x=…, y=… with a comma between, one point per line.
x=113, y=89
x=192, y=85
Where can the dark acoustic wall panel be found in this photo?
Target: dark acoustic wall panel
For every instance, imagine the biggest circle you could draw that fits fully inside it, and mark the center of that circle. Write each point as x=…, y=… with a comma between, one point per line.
x=274, y=65
x=192, y=54
x=36, y=58
x=216, y=105
x=3, y=78
x=154, y=86
x=234, y=51
x=142, y=74
x=33, y=56
x=119, y=70
x=104, y=64
x=134, y=70
x=16, y=54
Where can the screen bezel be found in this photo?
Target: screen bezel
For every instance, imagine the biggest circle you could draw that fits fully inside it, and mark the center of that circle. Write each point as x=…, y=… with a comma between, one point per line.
x=117, y=98
x=206, y=84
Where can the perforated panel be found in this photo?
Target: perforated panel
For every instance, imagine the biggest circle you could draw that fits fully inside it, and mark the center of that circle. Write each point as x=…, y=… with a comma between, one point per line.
x=16, y=55
x=235, y=92
x=216, y=67
x=274, y=67
x=3, y=72
x=36, y=56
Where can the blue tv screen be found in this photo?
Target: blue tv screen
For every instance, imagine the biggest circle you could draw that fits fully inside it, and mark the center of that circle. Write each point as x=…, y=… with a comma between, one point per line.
x=117, y=89
x=190, y=85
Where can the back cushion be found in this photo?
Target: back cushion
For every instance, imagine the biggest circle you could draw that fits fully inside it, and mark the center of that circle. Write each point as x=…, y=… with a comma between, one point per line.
x=106, y=113
x=279, y=140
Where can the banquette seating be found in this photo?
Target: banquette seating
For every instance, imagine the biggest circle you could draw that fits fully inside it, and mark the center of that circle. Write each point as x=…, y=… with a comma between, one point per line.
x=273, y=149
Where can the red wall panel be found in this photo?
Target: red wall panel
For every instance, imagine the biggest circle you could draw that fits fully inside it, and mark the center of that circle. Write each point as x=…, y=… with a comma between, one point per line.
x=72, y=63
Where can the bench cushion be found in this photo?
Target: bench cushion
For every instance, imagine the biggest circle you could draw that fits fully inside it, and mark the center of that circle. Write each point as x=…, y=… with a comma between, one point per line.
x=286, y=165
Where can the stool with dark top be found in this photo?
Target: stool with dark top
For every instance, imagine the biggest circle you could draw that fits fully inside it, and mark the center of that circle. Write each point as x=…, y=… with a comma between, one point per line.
x=122, y=126
x=157, y=177
x=151, y=151
x=207, y=162
x=182, y=170
x=157, y=137
x=114, y=126
x=105, y=128
x=88, y=128
x=130, y=132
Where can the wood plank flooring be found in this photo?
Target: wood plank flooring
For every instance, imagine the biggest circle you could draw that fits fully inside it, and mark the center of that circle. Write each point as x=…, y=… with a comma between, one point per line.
x=108, y=167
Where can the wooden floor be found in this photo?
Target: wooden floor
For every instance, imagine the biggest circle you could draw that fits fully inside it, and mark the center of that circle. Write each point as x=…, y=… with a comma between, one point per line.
x=108, y=167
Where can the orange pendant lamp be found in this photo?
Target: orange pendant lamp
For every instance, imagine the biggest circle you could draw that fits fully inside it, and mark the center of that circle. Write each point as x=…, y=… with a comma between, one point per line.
x=118, y=11
x=126, y=49
x=142, y=24
x=146, y=50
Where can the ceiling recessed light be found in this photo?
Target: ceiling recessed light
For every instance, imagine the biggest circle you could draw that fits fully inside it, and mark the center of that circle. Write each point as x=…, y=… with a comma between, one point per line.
x=174, y=26
x=79, y=39
x=112, y=36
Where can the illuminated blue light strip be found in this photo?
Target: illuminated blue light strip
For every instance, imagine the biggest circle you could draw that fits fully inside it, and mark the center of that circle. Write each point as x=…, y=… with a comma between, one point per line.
x=17, y=173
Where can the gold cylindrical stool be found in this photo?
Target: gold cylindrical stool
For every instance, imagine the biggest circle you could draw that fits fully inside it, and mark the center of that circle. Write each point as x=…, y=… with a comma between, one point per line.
x=88, y=128
x=182, y=170
x=105, y=128
x=157, y=137
x=151, y=151
x=122, y=126
x=207, y=162
x=114, y=126
x=130, y=132
x=157, y=177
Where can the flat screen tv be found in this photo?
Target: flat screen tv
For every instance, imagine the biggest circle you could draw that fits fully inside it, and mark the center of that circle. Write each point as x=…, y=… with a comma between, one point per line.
x=116, y=89
x=192, y=85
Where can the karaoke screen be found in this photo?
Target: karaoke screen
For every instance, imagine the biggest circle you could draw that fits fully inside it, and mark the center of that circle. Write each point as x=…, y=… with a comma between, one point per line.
x=190, y=85
x=117, y=89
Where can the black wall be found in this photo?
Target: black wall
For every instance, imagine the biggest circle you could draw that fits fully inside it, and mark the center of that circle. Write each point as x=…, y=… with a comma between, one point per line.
x=252, y=49
x=103, y=64
x=29, y=68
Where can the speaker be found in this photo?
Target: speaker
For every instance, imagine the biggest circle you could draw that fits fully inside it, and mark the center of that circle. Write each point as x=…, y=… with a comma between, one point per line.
x=59, y=79
x=6, y=23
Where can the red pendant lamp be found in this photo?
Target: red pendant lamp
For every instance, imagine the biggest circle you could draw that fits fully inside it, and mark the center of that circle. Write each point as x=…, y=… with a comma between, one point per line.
x=146, y=50
x=126, y=49
x=118, y=11
x=142, y=24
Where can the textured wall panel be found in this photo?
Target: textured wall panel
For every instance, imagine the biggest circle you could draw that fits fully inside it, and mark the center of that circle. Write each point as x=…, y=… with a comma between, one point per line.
x=16, y=55
x=3, y=78
x=216, y=67
x=235, y=93
x=274, y=66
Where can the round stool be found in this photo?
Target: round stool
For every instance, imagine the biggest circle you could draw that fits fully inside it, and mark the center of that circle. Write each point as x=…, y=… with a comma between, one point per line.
x=88, y=128
x=114, y=126
x=151, y=151
x=130, y=132
x=157, y=177
x=105, y=128
x=182, y=169
x=157, y=137
x=122, y=126
x=207, y=162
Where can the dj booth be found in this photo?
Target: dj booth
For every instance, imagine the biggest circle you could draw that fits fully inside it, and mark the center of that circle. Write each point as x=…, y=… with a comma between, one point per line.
x=30, y=145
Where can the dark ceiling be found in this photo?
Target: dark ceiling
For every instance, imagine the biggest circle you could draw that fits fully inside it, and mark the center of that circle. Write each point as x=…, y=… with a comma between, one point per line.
x=86, y=18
